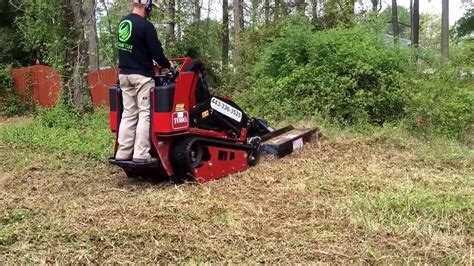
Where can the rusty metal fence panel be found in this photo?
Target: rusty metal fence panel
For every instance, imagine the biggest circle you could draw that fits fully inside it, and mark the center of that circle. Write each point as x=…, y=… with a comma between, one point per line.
x=100, y=81
x=43, y=83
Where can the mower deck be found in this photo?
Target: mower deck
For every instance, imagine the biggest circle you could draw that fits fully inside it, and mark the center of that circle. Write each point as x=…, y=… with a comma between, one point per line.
x=286, y=140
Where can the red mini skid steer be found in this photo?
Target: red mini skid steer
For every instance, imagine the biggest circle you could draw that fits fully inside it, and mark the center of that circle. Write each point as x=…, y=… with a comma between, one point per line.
x=198, y=136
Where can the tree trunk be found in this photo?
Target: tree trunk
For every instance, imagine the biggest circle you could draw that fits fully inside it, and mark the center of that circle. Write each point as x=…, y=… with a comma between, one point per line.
x=277, y=10
x=266, y=7
x=77, y=56
x=254, y=13
x=197, y=11
x=171, y=14
x=238, y=29
x=351, y=7
x=395, y=30
x=375, y=4
x=111, y=33
x=225, y=33
x=178, y=24
x=196, y=16
x=90, y=28
x=445, y=31
x=301, y=7
x=415, y=26
x=314, y=11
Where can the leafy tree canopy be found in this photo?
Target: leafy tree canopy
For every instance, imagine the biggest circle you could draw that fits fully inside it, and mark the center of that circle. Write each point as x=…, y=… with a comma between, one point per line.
x=464, y=28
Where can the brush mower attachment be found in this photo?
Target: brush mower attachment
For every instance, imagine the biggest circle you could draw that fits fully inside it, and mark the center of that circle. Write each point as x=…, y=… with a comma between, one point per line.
x=285, y=140
x=197, y=136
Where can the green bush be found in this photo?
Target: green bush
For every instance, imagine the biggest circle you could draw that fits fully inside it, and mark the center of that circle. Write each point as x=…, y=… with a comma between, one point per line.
x=63, y=129
x=347, y=75
x=11, y=104
x=355, y=77
x=6, y=79
x=442, y=104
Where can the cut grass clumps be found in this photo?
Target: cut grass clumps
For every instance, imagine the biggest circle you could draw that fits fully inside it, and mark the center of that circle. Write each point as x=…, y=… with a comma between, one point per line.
x=352, y=200
x=9, y=223
x=423, y=211
x=61, y=129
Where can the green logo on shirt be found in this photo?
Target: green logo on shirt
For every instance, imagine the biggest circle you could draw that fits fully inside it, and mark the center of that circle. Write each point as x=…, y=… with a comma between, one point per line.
x=125, y=30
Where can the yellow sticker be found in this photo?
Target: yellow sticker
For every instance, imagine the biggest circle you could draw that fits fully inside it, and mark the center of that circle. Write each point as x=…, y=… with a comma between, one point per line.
x=179, y=107
x=205, y=114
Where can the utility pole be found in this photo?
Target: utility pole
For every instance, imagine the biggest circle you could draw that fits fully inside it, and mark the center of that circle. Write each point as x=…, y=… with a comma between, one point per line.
x=445, y=31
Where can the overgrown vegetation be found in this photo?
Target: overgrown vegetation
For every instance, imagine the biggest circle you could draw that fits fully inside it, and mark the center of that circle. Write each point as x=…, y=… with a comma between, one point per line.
x=348, y=75
x=12, y=104
x=353, y=77
x=63, y=129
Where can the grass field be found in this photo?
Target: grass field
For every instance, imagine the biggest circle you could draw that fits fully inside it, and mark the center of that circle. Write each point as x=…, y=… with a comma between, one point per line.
x=384, y=198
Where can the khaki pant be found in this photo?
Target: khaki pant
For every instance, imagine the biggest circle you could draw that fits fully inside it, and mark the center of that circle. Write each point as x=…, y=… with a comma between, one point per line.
x=134, y=131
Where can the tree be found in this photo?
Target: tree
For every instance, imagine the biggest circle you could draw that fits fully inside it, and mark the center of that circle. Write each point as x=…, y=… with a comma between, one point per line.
x=430, y=31
x=266, y=8
x=464, y=27
x=254, y=13
x=395, y=30
x=338, y=13
x=300, y=7
x=107, y=30
x=170, y=13
x=415, y=24
x=238, y=29
x=404, y=21
x=79, y=20
x=90, y=28
x=225, y=33
x=445, y=30
x=375, y=4
x=314, y=11
x=277, y=10
x=12, y=49
x=197, y=13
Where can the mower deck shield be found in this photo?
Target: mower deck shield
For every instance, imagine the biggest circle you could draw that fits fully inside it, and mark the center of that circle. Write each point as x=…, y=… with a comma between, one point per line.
x=287, y=140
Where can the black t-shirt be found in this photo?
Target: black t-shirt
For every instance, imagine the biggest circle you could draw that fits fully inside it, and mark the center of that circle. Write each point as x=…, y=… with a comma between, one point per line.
x=138, y=45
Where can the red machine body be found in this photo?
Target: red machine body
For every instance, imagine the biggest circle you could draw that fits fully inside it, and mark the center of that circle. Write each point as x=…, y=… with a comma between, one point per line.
x=170, y=122
x=200, y=136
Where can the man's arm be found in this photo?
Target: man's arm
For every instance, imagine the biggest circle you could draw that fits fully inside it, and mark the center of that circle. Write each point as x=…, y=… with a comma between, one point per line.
x=155, y=47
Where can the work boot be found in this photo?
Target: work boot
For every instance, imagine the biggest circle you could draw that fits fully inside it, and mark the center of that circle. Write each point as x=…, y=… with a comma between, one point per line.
x=148, y=160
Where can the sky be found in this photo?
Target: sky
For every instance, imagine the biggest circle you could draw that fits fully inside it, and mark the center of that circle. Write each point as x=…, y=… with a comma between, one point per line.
x=456, y=7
